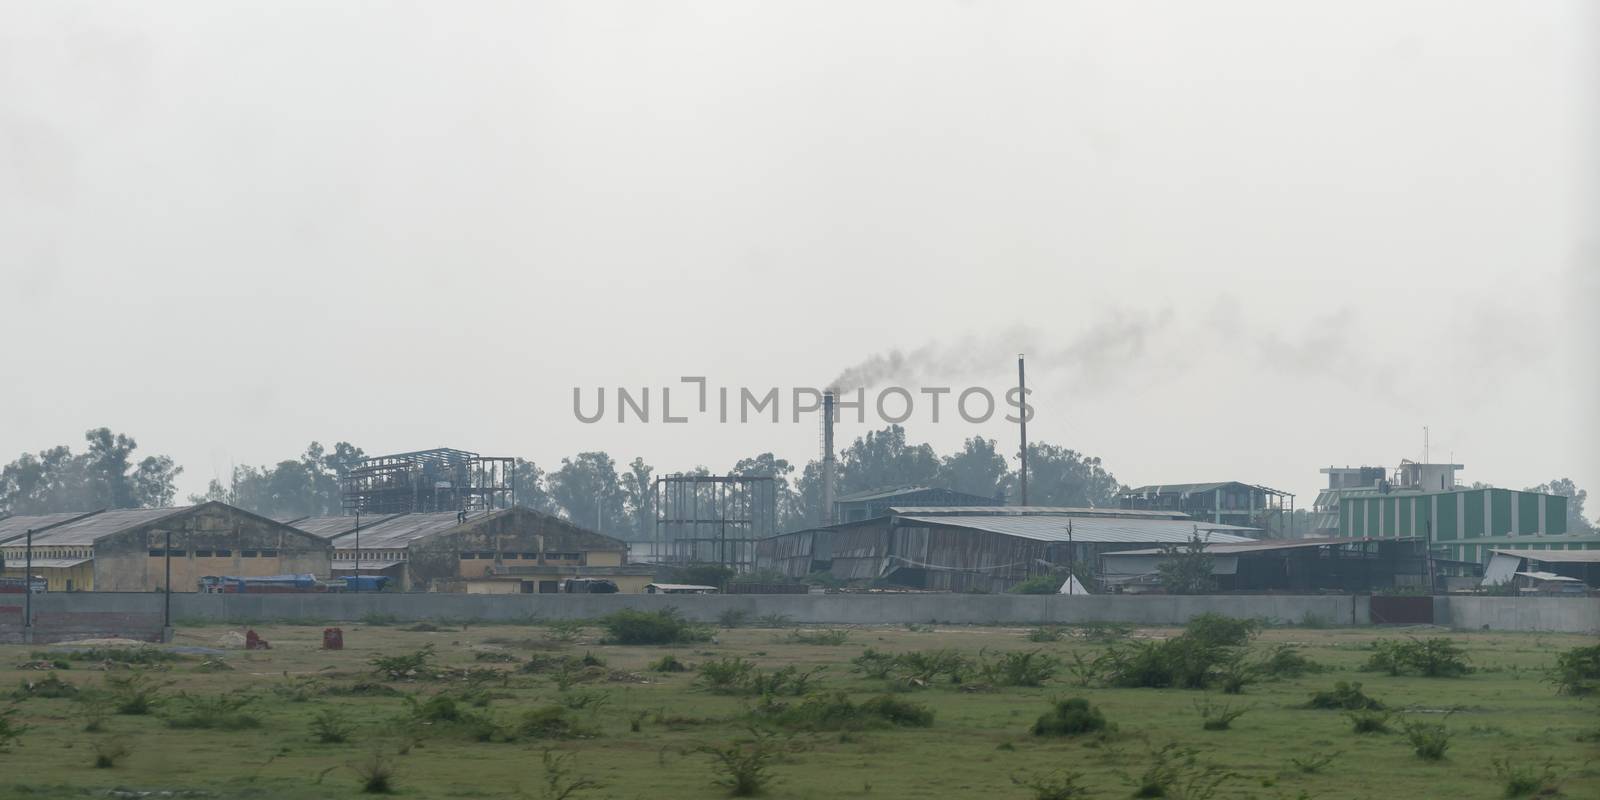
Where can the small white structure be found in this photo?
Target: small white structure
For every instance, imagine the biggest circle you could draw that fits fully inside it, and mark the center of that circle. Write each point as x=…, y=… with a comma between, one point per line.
x=1073, y=586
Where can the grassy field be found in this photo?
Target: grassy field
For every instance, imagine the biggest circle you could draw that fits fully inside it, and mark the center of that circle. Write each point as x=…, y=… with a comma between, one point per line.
x=647, y=734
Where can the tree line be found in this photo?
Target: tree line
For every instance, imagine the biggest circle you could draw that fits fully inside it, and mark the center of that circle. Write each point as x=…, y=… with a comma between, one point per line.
x=590, y=488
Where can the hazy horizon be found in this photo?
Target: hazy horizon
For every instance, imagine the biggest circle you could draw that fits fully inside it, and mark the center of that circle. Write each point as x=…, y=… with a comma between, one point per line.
x=1232, y=251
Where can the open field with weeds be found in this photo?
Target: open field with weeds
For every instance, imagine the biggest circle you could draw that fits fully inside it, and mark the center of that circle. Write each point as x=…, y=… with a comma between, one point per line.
x=1224, y=710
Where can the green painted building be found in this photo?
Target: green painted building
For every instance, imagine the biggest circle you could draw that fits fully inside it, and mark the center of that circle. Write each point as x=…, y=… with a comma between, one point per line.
x=1466, y=523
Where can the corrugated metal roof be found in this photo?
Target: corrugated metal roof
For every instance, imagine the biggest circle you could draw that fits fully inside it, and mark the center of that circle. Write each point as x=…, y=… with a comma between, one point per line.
x=331, y=526
x=1258, y=546
x=98, y=526
x=400, y=531
x=17, y=527
x=47, y=563
x=1088, y=529
x=1554, y=556
x=1194, y=488
x=1039, y=511
x=880, y=492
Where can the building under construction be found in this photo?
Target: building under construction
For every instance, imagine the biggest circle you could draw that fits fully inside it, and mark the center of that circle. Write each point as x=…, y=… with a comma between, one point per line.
x=713, y=519
x=443, y=479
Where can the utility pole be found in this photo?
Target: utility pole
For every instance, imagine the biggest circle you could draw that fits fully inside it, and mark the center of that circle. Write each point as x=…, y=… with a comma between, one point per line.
x=166, y=607
x=358, y=551
x=1022, y=388
x=27, y=592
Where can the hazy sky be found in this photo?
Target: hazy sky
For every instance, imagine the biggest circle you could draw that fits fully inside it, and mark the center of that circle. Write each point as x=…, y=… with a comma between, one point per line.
x=1244, y=240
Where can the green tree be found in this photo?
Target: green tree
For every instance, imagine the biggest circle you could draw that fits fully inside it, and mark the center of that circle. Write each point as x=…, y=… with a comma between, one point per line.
x=978, y=468
x=587, y=489
x=767, y=465
x=637, y=492
x=1058, y=476
x=1186, y=568
x=105, y=475
x=528, y=481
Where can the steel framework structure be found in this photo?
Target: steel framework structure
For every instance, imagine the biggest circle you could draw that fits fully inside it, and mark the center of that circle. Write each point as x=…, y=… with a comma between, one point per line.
x=442, y=479
x=714, y=519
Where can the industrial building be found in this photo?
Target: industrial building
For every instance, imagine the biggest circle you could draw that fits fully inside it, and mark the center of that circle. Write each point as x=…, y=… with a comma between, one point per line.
x=127, y=550
x=1297, y=566
x=976, y=548
x=1242, y=505
x=1532, y=568
x=877, y=502
x=509, y=550
x=1411, y=477
x=1465, y=525
x=441, y=479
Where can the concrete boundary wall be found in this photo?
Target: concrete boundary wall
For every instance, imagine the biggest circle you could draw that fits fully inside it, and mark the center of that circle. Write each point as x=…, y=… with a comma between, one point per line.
x=1556, y=614
x=838, y=609
x=1573, y=615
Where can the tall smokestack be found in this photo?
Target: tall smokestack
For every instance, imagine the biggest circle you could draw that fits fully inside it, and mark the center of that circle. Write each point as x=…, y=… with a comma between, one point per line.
x=1022, y=389
x=826, y=516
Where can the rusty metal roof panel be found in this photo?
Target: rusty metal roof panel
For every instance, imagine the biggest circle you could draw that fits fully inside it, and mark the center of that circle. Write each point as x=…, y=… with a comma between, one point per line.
x=401, y=530
x=332, y=526
x=17, y=527
x=94, y=527
x=1089, y=529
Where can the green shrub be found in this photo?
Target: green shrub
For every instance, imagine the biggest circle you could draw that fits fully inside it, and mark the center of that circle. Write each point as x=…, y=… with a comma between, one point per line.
x=1071, y=717
x=1313, y=763
x=743, y=766
x=1428, y=740
x=668, y=663
x=1220, y=630
x=1344, y=697
x=833, y=712
x=832, y=637
x=494, y=657
x=1430, y=658
x=107, y=752
x=141, y=656
x=874, y=664
x=1040, y=584
x=331, y=726
x=1045, y=634
x=1525, y=780
x=1015, y=668
x=10, y=729
x=407, y=666
x=220, y=712
x=360, y=689
x=50, y=686
x=1181, y=662
x=548, y=722
x=1176, y=773
x=376, y=774
x=566, y=631
x=1217, y=718
x=133, y=694
x=788, y=680
x=734, y=618
x=728, y=675
x=1057, y=785
x=1368, y=720
x=923, y=667
x=558, y=781
x=1577, y=671
x=774, y=621
x=1285, y=661
x=666, y=626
